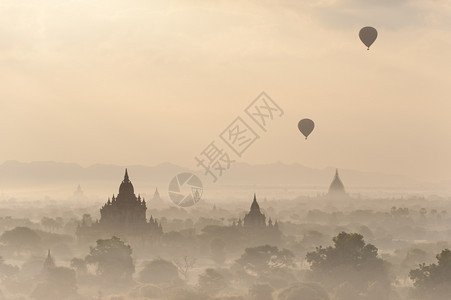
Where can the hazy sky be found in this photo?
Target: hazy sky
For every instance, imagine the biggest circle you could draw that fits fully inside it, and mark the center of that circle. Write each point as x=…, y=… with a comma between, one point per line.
x=143, y=82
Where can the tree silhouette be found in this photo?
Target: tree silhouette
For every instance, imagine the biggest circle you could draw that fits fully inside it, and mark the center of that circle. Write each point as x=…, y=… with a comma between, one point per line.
x=159, y=271
x=86, y=220
x=21, y=239
x=79, y=265
x=433, y=281
x=349, y=260
x=184, y=265
x=51, y=224
x=59, y=283
x=262, y=258
x=7, y=271
x=113, y=260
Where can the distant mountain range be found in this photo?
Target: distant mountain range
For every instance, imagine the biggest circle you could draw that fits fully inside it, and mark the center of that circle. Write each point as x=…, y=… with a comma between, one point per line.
x=58, y=181
x=14, y=174
x=280, y=174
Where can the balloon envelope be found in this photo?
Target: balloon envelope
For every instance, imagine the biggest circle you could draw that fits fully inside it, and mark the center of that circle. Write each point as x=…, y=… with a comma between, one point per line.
x=306, y=127
x=368, y=35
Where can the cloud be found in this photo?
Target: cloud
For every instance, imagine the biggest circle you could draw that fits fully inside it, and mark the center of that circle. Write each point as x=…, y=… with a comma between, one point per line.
x=384, y=14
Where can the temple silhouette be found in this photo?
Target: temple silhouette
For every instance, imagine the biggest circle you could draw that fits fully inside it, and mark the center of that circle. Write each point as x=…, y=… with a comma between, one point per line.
x=255, y=218
x=255, y=227
x=336, y=188
x=157, y=201
x=123, y=215
x=78, y=194
x=48, y=263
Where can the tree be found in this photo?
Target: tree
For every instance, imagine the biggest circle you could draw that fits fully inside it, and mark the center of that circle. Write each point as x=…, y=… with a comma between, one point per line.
x=113, y=260
x=6, y=270
x=86, y=220
x=21, y=239
x=263, y=258
x=79, y=265
x=433, y=281
x=59, y=283
x=159, y=271
x=46, y=223
x=59, y=222
x=301, y=291
x=423, y=212
x=349, y=260
x=413, y=258
x=184, y=265
x=51, y=224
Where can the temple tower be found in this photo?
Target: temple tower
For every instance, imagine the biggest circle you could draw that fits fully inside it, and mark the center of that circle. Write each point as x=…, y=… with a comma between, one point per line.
x=255, y=218
x=336, y=188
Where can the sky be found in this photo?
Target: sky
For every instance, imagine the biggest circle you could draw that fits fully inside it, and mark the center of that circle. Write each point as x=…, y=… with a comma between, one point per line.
x=145, y=82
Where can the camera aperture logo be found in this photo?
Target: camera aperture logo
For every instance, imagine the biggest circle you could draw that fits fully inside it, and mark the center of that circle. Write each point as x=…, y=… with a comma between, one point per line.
x=185, y=189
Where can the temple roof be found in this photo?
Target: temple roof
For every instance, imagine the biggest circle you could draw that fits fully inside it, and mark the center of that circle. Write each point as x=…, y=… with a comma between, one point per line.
x=49, y=262
x=126, y=187
x=254, y=205
x=336, y=187
x=255, y=217
x=156, y=195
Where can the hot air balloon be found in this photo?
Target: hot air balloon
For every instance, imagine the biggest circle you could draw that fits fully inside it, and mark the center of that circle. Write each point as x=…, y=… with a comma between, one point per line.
x=368, y=35
x=306, y=127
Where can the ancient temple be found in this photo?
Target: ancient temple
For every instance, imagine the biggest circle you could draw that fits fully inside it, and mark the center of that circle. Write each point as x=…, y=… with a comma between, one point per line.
x=78, y=194
x=336, y=188
x=123, y=215
x=156, y=195
x=47, y=266
x=254, y=225
x=252, y=230
x=126, y=209
x=157, y=201
x=254, y=218
x=49, y=262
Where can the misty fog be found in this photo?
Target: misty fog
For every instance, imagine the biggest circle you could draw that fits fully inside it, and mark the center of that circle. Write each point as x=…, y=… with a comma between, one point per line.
x=329, y=246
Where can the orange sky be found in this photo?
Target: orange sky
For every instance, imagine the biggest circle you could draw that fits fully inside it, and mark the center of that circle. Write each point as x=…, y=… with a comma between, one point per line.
x=143, y=82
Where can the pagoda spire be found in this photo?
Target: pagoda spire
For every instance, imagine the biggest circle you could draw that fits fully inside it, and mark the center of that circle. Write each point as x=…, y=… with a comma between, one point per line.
x=336, y=187
x=126, y=187
x=49, y=262
x=126, y=179
x=254, y=205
